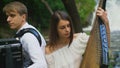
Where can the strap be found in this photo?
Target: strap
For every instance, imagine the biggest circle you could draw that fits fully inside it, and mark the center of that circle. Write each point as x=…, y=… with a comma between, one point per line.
x=104, y=43
x=30, y=30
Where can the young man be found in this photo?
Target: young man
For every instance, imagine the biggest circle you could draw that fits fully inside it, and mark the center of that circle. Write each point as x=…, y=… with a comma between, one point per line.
x=33, y=52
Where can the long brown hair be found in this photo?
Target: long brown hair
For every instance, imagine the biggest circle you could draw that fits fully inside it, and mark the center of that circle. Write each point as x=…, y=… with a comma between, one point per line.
x=55, y=18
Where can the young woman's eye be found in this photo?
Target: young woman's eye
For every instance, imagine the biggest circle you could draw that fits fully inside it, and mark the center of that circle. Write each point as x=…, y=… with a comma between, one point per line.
x=68, y=25
x=62, y=27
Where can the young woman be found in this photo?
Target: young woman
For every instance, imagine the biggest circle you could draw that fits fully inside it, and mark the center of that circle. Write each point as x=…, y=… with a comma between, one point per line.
x=65, y=49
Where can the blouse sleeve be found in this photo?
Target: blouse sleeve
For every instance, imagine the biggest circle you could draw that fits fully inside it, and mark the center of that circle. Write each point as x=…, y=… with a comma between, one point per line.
x=79, y=43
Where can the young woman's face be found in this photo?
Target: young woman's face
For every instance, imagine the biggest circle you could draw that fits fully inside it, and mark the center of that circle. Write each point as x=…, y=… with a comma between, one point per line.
x=15, y=20
x=64, y=29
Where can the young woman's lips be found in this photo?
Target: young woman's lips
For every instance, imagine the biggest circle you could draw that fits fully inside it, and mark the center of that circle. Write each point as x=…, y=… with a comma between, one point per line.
x=67, y=34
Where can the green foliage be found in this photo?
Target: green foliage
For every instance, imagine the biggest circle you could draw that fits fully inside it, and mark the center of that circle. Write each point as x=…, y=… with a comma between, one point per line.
x=56, y=4
x=45, y=14
x=38, y=14
x=85, y=8
x=7, y=1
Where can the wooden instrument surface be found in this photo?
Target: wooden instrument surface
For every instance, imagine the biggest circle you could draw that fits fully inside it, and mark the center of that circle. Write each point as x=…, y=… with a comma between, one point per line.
x=93, y=52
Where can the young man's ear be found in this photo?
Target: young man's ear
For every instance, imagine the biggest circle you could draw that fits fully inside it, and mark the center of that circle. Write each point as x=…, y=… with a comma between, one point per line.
x=24, y=17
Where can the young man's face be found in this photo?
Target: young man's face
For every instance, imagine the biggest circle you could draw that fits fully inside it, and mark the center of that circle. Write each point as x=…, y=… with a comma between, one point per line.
x=15, y=20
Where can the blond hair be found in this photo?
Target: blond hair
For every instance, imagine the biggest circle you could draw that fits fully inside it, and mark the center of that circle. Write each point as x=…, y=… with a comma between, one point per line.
x=16, y=6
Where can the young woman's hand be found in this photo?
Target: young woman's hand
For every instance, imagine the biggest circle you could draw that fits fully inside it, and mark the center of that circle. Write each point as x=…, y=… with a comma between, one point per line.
x=102, y=14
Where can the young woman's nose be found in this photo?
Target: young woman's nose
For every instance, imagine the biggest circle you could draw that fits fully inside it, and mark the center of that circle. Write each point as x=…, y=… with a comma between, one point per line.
x=67, y=28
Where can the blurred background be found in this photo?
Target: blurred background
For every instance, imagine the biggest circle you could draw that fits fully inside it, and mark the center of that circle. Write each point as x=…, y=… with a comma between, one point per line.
x=82, y=13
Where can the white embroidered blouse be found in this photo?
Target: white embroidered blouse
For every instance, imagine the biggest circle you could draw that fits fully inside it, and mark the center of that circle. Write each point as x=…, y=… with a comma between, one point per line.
x=68, y=57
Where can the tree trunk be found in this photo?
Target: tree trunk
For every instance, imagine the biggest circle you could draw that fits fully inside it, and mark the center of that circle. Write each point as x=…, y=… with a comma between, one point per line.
x=72, y=11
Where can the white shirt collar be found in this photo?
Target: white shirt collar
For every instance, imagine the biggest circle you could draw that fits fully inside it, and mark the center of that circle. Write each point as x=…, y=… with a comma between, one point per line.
x=24, y=26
